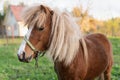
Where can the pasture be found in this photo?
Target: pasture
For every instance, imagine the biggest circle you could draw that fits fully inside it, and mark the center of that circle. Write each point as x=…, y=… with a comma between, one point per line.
x=12, y=69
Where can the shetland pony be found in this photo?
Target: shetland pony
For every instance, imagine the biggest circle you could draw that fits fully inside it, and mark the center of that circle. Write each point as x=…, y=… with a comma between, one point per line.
x=75, y=57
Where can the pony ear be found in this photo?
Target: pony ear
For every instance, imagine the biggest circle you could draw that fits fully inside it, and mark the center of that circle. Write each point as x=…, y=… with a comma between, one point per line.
x=51, y=12
x=46, y=9
x=43, y=8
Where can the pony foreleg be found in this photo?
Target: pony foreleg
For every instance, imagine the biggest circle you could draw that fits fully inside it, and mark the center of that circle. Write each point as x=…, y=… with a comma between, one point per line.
x=101, y=77
x=107, y=74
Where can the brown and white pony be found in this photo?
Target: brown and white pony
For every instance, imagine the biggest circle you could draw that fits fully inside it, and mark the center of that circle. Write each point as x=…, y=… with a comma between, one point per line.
x=75, y=57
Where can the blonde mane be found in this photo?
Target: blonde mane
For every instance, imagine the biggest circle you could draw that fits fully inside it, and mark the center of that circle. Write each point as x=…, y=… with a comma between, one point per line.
x=65, y=36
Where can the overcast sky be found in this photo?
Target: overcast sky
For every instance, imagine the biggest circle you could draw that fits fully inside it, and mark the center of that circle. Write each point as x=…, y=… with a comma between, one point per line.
x=100, y=9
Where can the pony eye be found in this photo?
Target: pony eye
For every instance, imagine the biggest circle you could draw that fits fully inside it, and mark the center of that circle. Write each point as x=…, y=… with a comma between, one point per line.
x=41, y=28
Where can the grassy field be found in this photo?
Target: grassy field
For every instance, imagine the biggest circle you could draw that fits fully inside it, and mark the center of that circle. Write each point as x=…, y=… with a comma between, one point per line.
x=12, y=69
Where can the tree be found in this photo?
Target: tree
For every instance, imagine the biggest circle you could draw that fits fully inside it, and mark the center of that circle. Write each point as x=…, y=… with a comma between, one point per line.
x=111, y=27
x=5, y=7
x=1, y=18
x=2, y=26
x=84, y=20
x=77, y=12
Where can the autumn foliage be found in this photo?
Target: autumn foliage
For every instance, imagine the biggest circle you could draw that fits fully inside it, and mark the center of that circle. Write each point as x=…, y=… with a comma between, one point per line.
x=88, y=24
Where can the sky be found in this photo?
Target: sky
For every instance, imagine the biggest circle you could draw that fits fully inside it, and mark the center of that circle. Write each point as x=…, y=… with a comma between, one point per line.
x=99, y=9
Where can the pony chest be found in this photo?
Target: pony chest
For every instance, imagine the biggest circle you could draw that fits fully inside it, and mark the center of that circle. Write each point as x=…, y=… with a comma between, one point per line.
x=72, y=72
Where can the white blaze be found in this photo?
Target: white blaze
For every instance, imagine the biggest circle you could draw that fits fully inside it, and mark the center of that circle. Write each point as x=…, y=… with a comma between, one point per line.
x=22, y=46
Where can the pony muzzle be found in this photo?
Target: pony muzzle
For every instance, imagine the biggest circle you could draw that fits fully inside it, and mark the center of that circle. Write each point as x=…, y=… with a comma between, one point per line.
x=23, y=58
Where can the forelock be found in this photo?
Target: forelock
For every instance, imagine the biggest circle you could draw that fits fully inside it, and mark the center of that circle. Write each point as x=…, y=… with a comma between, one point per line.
x=35, y=15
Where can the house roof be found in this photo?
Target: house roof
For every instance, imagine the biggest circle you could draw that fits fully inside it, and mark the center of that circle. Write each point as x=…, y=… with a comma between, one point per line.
x=17, y=10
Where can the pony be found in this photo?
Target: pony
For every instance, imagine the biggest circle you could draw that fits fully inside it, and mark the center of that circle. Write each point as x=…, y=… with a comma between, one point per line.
x=55, y=33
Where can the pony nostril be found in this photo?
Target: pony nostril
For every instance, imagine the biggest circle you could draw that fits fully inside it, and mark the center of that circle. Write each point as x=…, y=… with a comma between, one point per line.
x=21, y=57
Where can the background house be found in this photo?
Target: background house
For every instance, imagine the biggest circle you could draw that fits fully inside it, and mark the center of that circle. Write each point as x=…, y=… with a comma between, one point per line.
x=13, y=21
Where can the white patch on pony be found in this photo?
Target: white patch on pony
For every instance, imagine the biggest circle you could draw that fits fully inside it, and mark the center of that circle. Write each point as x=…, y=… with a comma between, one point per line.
x=23, y=44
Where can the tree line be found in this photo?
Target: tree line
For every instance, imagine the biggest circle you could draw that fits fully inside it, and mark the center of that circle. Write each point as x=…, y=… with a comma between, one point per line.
x=88, y=24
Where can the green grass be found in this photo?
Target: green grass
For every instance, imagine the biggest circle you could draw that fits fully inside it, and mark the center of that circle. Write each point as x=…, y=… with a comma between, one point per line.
x=12, y=69
x=116, y=53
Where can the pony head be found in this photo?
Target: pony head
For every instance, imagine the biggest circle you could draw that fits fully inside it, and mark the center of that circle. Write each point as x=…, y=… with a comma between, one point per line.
x=38, y=19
